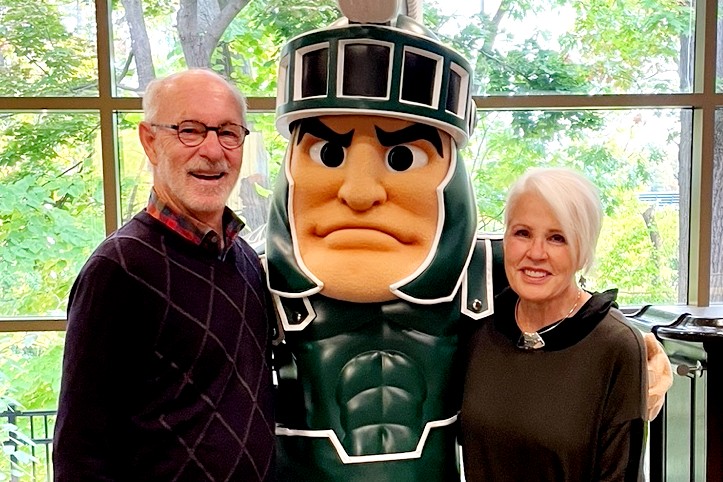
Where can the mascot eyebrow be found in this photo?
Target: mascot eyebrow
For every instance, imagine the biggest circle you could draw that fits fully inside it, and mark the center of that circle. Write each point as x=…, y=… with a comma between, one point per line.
x=318, y=129
x=411, y=133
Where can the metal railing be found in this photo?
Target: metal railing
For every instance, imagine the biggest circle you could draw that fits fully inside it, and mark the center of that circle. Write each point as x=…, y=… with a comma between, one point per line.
x=686, y=438
x=27, y=438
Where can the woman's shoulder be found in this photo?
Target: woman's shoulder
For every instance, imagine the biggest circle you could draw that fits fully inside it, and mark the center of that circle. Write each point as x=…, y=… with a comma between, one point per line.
x=622, y=334
x=618, y=322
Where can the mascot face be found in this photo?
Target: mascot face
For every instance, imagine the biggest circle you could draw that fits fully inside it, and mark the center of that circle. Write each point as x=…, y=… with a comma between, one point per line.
x=364, y=200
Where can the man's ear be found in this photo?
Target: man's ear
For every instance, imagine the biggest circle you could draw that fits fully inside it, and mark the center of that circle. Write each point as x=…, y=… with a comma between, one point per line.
x=147, y=135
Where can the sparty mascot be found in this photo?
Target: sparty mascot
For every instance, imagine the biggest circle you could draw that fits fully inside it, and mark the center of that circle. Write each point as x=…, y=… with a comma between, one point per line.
x=372, y=252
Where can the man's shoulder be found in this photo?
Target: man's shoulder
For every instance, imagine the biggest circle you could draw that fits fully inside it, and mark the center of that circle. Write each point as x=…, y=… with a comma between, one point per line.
x=137, y=233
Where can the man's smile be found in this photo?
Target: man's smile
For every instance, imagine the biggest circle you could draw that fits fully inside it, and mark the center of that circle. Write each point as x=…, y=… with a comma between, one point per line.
x=207, y=176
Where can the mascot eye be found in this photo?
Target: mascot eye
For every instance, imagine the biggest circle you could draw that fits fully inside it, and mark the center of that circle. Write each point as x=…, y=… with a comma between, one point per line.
x=404, y=157
x=327, y=153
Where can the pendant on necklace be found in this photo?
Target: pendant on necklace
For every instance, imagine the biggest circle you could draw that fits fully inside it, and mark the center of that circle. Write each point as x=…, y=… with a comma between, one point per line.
x=533, y=340
x=530, y=341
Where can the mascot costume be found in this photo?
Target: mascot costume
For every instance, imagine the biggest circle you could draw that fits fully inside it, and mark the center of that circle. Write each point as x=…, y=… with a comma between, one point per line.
x=372, y=253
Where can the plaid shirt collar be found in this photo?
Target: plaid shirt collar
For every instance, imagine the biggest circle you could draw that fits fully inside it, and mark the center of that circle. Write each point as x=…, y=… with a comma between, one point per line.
x=198, y=233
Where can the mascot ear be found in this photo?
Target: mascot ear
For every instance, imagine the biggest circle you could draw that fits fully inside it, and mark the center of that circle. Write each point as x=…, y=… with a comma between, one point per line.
x=369, y=11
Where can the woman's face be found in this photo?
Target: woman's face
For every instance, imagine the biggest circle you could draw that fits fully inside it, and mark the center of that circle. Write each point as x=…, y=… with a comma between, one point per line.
x=538, y=260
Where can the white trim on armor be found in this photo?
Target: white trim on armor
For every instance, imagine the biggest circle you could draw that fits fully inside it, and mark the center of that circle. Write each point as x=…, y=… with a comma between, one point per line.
x=360, y=459
x=282, y=83
x=283, y=121
x=461, y=107
x=489, y=291
x=343, y=22
x=281, y=313
x=299, y=67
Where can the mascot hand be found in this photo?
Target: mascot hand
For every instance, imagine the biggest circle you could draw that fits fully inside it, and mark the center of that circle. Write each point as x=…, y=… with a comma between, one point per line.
x=660, y=375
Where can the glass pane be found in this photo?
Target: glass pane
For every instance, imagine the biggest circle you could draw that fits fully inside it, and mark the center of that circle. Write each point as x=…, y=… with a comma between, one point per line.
x=51, y=208
x=716, y=255
x=631, y=155
x=589, y=48
x=48, y=48
x=594, y=47
x=242, y=41
x=263, y=150
x=29, y=384
x=719, y=57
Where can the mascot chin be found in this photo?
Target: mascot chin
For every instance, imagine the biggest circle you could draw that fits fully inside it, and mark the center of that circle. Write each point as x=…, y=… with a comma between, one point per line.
x=372, y=255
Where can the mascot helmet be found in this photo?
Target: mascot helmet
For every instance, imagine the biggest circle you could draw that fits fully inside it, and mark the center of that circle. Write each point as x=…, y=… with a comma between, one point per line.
x=375, y=62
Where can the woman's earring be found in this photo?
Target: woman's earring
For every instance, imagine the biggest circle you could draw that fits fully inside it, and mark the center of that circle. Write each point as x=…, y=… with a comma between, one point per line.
x=582, y=281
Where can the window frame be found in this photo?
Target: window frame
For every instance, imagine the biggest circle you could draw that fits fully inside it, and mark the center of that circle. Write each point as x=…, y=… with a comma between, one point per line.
x=703, y=100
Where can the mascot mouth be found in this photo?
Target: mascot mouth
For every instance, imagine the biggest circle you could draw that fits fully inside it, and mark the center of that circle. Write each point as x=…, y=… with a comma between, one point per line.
x=369, y=235
x=360, y=238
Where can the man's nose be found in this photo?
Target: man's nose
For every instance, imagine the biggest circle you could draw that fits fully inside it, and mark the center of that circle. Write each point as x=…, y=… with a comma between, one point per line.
x=211, y=146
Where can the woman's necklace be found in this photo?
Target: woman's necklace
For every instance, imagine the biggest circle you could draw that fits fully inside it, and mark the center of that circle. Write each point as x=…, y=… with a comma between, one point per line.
x=533, y=340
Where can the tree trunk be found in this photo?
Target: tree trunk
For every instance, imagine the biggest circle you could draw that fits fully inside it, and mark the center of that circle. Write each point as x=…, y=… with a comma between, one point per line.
x=140, y=45
x=201, y=23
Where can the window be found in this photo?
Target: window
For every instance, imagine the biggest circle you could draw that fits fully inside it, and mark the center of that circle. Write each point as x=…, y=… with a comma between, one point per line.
x=625, y=91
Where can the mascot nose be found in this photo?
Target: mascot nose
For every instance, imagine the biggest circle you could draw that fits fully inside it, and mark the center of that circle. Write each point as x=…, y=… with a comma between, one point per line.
x=362, y=188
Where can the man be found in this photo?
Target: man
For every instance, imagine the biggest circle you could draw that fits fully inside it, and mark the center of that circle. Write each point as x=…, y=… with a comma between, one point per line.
x=166, y=372
x=372, y=252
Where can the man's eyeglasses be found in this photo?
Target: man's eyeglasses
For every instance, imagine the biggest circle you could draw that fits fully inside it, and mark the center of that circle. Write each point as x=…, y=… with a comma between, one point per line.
x=192, y=133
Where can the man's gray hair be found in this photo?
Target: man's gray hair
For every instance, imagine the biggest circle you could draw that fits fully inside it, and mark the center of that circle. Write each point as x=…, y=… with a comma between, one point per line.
x=153, y=93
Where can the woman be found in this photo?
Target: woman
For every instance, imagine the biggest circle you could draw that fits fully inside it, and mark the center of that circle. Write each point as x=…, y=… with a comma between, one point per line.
x=555, y=383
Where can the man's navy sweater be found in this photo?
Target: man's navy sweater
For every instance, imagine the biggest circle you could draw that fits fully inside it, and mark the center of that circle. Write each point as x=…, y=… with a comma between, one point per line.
x=166, y=369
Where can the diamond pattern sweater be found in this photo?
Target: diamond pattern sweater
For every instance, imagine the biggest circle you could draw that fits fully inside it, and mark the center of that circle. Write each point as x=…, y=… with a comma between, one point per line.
x=166, y=370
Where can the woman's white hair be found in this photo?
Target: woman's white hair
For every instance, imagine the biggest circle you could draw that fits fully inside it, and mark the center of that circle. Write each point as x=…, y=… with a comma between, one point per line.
x=153, y=95
x=573, y=199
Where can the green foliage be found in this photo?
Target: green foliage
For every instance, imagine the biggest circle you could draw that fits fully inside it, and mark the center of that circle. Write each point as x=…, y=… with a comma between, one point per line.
x=629, y=260
x=30, y=369
x=629, y=42
x=51, y=193
x=43, y=56
x=532, y=69
x=274, y=143
x=285, y=19
x=29, y=380
x=251, y=45
x=51, y=199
